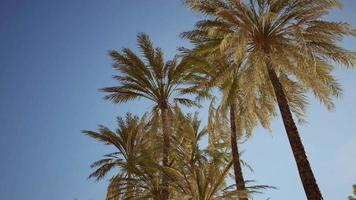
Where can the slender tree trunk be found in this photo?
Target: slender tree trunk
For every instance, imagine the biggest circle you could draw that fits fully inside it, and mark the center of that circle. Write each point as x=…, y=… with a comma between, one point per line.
x=239, y=179
x=166, y=146
x=305, y=172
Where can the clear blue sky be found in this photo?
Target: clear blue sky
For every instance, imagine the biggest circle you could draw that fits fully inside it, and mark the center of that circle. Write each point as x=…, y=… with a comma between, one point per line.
x=53, y=60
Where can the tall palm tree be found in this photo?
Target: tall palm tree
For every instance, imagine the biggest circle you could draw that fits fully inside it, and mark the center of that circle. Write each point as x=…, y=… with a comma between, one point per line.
x=247, y=98
x=153, y=79
x=245, y=108
x=219, y=132
x=132, y=159
x=280, y=39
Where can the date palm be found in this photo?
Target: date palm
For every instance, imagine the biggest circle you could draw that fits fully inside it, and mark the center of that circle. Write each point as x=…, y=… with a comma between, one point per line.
x=153, y=79
x=195, y=175
x=201, y=173
x=280, y=39
x=132, y=160
x=243, y=94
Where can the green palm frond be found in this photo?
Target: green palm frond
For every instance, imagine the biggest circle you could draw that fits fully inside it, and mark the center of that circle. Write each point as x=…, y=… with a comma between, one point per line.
x=148, y=76
x=133, y=159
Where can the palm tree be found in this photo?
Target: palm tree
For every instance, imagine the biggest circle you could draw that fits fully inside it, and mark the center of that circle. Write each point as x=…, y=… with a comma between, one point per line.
x=201, y=174
x=246, y=97
x=194, y=173
x=133, y=158
x=279, y=39
x=245, y=108
x=152, y=79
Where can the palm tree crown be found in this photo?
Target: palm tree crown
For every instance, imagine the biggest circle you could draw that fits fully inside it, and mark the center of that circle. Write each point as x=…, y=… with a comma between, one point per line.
x=151, y=78
x=290, y=34
x=132, y=160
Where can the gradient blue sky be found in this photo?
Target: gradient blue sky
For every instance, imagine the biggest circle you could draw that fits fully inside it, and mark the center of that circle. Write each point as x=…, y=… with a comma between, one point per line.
x=53, y=60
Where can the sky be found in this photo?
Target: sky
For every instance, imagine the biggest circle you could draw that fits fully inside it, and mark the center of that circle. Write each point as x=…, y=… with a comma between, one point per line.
x=53, y=60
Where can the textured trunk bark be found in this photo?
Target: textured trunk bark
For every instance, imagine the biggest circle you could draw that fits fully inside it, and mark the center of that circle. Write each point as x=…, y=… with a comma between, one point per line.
x=239, y=179
x=166, y=145
x=129, y=187
x=305, y=172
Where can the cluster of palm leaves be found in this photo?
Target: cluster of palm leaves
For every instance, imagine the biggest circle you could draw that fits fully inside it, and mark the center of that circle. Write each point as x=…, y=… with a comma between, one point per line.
x=260, y=54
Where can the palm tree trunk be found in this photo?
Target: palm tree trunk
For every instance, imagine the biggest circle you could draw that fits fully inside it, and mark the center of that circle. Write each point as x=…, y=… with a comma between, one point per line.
x=166, y=145
x=129, y=191
x=239, y=179
x=305, y=172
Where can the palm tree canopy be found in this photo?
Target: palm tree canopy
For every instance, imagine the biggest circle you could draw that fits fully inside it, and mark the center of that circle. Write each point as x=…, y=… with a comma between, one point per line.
x=133, y=161
x=195, y=173
x=202, y=173
x=291, y=34
x=254, y=102
x=150, y=77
